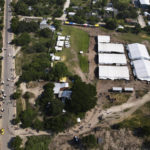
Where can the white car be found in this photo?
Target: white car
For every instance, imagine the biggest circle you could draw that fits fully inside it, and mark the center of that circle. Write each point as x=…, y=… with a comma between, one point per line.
x=2, y=109
x=8, y=79
x=2, y=82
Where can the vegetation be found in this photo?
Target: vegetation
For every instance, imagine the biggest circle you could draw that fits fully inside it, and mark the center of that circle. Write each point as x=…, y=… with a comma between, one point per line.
x=139, y=123
x=37, y=143
x=16, y=143
x=38, y=7
x=89, y=141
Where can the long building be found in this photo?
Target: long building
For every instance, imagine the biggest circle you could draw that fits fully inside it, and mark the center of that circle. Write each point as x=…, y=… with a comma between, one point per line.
x=141, y=69
x=137, y=51
x=110, y=48
x=114, y=72
x=117, y=59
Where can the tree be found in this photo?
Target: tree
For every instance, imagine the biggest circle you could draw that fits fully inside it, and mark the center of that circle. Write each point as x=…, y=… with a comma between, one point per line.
x=47, y=33
x=57, y=24
x=83, y=97
x=37, y=124
x=89, y=141
x=111, y=23
x=16, y=143
x=137, y=29
x=60, y=70
x=16, y=95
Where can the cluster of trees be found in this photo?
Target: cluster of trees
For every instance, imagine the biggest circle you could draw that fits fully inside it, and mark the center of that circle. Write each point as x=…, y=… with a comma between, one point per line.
x=23, y=26
x=38, y=7
x=16, y=143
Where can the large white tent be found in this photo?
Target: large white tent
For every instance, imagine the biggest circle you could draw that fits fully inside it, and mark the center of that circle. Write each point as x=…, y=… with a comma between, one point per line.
x=113, y=72
x=110, y=48
x=119, y=59
x=141, y=69
x=103, y=38
x=137, y=51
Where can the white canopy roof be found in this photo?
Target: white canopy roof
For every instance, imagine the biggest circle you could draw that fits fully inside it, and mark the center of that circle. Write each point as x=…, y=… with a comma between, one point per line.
x=58, y=48
x=142, y=69
x=61, y=38
x=144, y=2
x=59, y=86
x=103, y=39
x=137, y=51
x=110, y=48
x=113, y=72
x=60, y=43
x=112, y=59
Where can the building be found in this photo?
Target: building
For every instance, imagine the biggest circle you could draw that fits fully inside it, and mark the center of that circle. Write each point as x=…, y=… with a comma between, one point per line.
x=60, y=87
x=117, y=59
x=58, y=48
x=144, y=4
x=103, y=39
x=60, y=43
x=137, y=51
x=113, y=72
x=44, y=25
x=110, y=48
x=141, y=69
x=71, y=13
x=55, y=58
x=66, y=94
x=61, y=38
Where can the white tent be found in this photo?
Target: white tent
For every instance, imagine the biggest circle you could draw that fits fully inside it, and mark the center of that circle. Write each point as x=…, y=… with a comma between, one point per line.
x=58, y=48
x=113, y=72
x=61, y=38
x=110, y=48
x=141, y=69
x=60, y=43
x=119, y=59
x=137, y=51
x=103, y=38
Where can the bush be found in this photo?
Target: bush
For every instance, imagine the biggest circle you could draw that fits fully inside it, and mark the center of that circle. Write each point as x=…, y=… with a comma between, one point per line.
x=16, y=143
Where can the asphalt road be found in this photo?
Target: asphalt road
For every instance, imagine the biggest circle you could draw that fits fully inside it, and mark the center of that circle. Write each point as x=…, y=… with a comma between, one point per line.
x=8, y=87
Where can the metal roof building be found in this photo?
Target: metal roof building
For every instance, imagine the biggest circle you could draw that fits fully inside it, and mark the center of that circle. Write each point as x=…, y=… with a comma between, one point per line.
x=59, y=86
x=118, y=59
x=113, y=72
x=144, y=2
x=137, y=51
x=110, y=48
x=141, y=69
x=103, y=39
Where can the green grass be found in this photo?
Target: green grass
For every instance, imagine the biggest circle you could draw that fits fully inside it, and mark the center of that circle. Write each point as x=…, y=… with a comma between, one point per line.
x=19, y=106
x=83, y=61
x=79, y=41
x=81, y=2
x=79, y=38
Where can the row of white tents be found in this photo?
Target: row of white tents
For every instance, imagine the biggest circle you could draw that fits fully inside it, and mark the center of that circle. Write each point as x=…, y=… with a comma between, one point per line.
x=111, y=59
x=140, y=61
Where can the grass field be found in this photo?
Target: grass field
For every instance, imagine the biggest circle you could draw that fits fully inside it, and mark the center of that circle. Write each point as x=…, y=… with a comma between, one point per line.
x=79, y=41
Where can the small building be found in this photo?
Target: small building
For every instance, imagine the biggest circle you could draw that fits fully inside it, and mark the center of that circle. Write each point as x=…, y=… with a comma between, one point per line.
x=44, y=25
x=128, y=89
x=30, y=8
x=117, y=59
x=116, y=89
x=63, y=79
x=65, y=94
x=71, y=13
x=60, y=86
x=55, y=58
x=114, y=72
x=103, y=39
x=137, y=51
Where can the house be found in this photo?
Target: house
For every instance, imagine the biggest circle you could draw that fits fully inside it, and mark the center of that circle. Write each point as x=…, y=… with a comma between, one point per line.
x=71, y=13
x=60, y=87
x=58, y=48
x=66, y=94
x=144, y=4
x=44, y=25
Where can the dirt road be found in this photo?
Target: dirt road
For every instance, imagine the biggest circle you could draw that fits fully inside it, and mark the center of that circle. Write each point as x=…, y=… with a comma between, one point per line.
x=110, y=116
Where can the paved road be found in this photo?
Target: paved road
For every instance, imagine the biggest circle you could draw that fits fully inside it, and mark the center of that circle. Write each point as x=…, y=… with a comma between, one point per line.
x=7, y=73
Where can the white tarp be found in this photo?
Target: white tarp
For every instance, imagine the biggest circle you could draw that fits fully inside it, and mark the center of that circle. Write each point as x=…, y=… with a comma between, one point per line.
x=113, y=72
x=103, y=38
x=119, y=59
x=137, y=51
x=141, y=69
x=58, y=48
x=110, y=48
